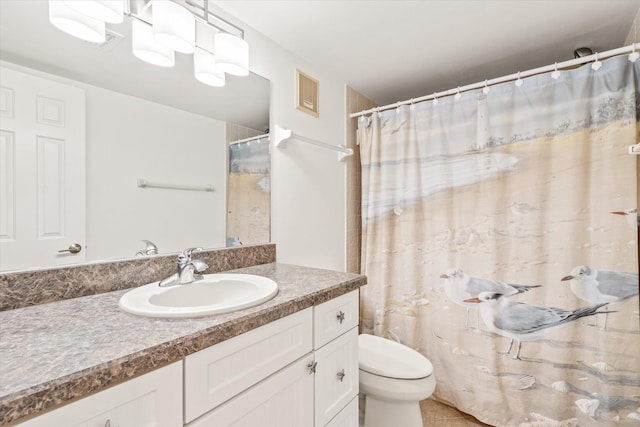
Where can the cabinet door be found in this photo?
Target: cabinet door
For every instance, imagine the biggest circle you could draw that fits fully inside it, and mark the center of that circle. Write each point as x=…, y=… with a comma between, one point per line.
x=285, y=399
x=214, y=375
x=336, y=376
x=335, y=317
x=348, y=417
x=153, y=399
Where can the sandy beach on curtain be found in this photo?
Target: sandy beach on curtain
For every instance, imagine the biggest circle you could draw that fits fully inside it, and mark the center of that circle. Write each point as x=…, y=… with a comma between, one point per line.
x=467, y=227
x=248, y=207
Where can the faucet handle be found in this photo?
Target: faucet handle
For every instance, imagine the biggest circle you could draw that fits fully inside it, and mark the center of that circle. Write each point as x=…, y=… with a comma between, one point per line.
x=185, y=256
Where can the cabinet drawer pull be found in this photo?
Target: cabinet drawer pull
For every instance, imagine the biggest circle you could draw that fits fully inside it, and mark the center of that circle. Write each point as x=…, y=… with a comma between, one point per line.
x=341, y=375
x=340, y=316
x=107, y=424
x=312, y=367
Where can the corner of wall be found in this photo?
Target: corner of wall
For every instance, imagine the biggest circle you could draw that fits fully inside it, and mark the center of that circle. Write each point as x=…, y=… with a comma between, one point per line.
x=354, y=102
x=634, y=36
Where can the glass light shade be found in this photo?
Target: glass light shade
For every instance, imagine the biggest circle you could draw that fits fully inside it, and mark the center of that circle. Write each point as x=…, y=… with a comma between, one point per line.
x=147, y=48
x=205, y=69
x=174, y=26
x=75, y=23
x=232, y=54
x=111, y=11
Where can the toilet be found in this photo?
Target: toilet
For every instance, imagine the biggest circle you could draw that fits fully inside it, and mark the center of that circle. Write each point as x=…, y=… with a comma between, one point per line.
x=394, y=379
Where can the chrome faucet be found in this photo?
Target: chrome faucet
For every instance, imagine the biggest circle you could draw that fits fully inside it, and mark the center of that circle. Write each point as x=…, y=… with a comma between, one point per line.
x=150, y=249
x=188, y=269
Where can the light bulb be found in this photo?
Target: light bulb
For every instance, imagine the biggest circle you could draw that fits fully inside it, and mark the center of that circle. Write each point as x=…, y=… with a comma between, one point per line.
x=146, y=48
x=232, y=54
x=75, y=23
x=111, y=11
x=174, y=26
x=205, y=69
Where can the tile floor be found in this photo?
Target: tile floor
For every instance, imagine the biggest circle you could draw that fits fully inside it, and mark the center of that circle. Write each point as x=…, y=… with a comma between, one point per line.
x=437, y=414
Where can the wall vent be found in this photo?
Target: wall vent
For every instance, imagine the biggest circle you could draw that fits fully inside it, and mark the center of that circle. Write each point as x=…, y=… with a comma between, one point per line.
x=307, y=97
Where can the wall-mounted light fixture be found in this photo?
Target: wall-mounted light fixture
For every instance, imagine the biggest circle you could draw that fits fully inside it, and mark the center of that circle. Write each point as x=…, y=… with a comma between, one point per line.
x=159, y=29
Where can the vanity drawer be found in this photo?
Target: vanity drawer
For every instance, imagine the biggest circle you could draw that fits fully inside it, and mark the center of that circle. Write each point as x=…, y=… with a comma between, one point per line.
x=335, y=317
x=285, y=399
x=216, y=374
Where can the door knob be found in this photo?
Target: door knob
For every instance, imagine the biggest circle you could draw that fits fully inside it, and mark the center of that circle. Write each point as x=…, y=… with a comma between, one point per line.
x=73, y=248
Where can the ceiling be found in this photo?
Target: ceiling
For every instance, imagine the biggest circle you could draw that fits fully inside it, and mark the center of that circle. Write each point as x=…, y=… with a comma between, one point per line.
x=396, y=50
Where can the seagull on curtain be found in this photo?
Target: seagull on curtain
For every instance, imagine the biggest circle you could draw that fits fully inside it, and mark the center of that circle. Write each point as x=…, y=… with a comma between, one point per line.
x=602, y=286
x=521, y=210
x=632, y=217
x=524, y=322
x=460, y=286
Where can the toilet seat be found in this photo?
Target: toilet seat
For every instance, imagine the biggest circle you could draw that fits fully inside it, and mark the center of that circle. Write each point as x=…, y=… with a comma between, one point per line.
x=386, y=358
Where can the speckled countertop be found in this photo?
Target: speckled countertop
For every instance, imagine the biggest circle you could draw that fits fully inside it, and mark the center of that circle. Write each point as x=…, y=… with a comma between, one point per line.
x=57, y=352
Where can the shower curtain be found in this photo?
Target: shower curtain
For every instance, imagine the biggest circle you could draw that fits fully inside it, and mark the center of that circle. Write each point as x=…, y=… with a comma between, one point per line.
x=500, y=241
x=249, y=192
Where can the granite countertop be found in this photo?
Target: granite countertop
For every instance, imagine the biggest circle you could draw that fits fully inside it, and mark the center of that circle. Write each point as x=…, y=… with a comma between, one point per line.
x=54, y=353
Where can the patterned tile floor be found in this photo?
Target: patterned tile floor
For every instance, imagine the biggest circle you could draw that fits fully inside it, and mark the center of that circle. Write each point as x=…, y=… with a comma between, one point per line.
x=437, y=414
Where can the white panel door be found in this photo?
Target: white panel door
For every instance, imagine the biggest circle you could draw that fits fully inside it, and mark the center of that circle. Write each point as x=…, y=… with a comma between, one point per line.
x=42, y=171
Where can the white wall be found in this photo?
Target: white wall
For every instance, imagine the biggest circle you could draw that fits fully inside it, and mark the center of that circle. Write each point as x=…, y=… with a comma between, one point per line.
x=307, y=182
x=130, y=138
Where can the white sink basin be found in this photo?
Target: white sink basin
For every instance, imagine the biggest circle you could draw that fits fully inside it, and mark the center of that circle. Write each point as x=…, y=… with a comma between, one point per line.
x=214, y=294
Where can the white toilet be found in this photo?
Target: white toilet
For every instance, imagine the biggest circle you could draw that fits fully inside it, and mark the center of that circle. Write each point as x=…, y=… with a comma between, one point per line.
x=393, y=378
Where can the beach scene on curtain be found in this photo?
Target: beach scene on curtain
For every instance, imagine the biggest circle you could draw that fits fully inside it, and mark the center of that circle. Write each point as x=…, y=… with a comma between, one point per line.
x=500, y=239
x=249, y=192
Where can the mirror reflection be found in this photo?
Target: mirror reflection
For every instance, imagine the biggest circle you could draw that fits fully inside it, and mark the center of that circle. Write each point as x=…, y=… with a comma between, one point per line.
x=136, y=124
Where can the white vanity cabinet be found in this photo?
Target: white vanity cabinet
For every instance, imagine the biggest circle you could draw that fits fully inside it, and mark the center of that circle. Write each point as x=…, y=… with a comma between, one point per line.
x=304, y=367
x=153, y=399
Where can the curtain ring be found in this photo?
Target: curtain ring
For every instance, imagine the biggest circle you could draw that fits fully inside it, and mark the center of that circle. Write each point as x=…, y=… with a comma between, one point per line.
x=458, y=94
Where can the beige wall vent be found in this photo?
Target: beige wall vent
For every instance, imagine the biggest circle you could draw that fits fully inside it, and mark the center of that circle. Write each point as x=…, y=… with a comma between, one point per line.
x=307, y=98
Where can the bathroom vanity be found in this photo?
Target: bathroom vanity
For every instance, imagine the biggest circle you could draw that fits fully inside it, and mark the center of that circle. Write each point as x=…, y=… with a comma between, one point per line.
x=291, y=361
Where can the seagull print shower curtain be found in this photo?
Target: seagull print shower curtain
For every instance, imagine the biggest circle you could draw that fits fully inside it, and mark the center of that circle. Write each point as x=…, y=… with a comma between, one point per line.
x=500, y=240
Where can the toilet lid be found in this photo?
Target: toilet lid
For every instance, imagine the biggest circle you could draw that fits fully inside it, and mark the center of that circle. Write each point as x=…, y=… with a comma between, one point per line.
x=390, y=359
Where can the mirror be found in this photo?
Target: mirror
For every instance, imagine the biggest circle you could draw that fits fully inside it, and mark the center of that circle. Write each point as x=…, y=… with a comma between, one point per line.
x=143, y=124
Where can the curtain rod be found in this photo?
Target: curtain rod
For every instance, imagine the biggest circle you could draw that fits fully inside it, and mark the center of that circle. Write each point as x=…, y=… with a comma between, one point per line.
x=510, y=77
x=253, y=138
